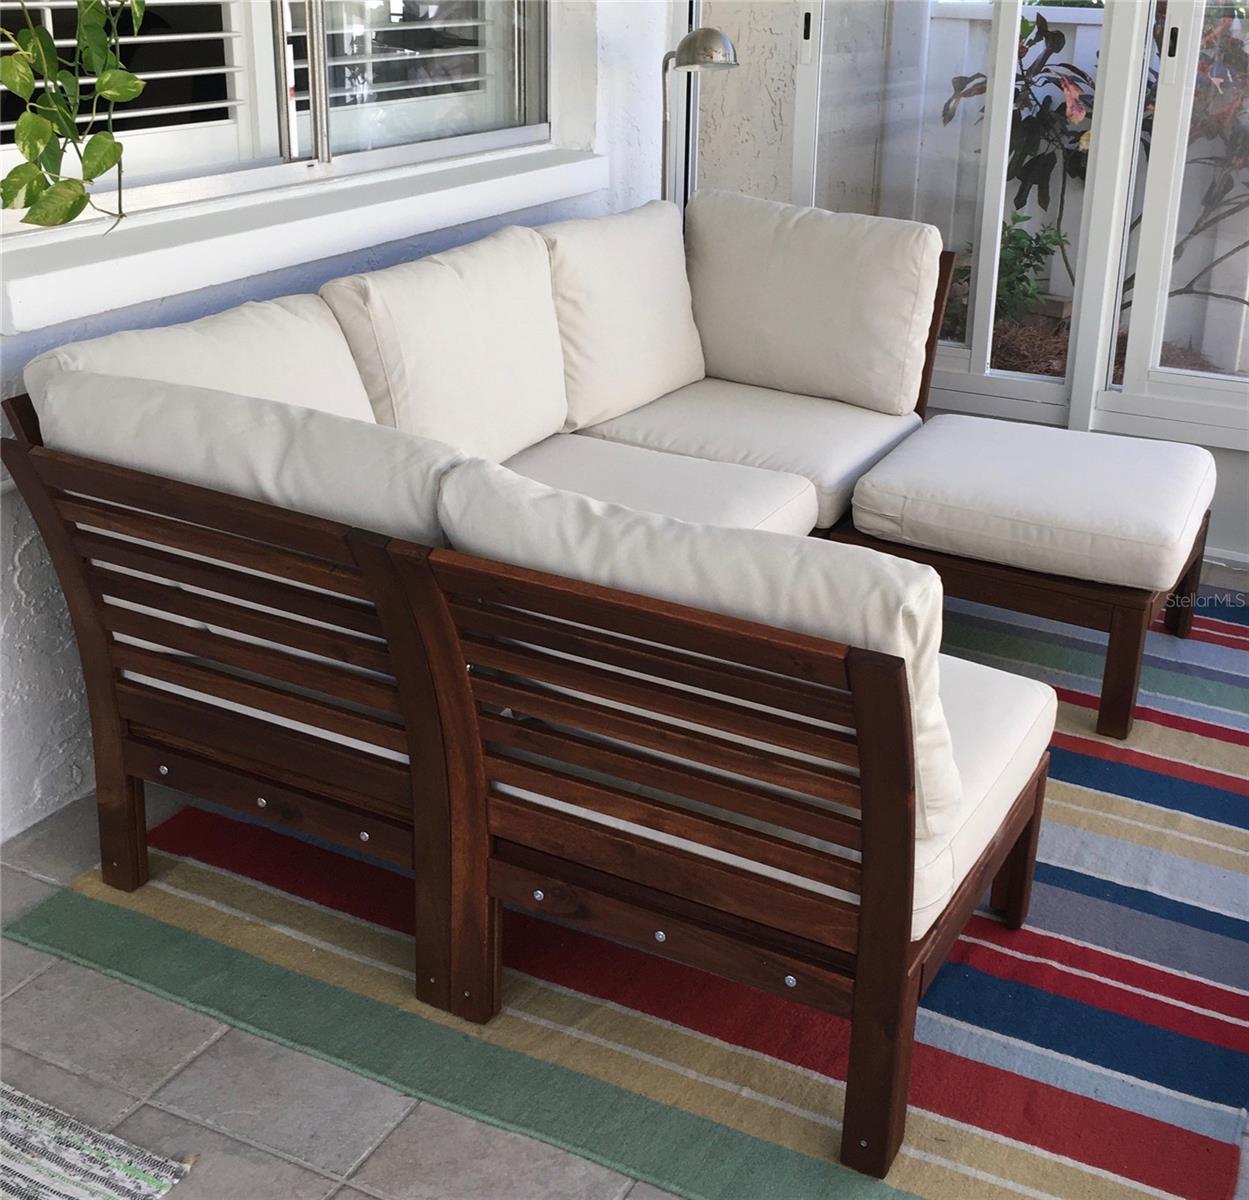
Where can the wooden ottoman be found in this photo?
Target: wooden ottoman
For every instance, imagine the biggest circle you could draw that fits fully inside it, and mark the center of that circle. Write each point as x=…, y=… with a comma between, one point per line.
x=1089, y=528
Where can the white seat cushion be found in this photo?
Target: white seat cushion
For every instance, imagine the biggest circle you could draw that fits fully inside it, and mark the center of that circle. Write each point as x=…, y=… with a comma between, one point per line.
x=825, y=304
x=290, y=350
x=827, y=442
x=461, y=346
x=356, y=472
x=806, y=584
x=623, y=303
x=1089, y=505
x=690, y=489
x=1000, y=725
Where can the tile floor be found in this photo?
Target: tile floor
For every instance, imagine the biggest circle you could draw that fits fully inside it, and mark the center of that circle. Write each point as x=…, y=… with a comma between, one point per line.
x=263, y=1122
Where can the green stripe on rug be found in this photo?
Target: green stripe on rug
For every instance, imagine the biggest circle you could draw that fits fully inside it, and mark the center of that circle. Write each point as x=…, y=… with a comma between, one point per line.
x=1036, y=651
x=663, y=1145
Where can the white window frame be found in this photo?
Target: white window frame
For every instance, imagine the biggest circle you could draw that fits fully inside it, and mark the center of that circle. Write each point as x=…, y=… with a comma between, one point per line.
x=1209, y=409
x=1155, y=401
x=231, y=142
x=192, y=234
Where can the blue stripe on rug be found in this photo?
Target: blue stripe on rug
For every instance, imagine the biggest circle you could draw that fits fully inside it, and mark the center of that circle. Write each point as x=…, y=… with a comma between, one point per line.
x=1108, y=1039
x=1150, y=787
x=1086, y=686
x=1222, y=1123
x=1141, y=901
x=1201, y=660
x=1143, y=936
x=1202, y=885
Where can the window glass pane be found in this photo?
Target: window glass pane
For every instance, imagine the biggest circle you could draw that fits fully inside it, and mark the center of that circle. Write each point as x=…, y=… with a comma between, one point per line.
x=901, y=121
x=208, y=100
x=1206, y=327
x=403, y=71
x=1053, y=95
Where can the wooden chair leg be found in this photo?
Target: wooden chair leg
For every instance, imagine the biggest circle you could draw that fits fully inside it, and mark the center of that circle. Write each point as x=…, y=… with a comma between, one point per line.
x=882, y=1036
x=1122, y=676
x=1182, y=603
x=1012, y=886
x=123, y=830
x=476, y=956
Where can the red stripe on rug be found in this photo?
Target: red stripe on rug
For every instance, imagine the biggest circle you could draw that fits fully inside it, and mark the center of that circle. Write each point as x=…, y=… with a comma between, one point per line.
x=1212, y=637
x=984, y=1097
x=1087, y=1131
x=1100, y=994
x=1155, y=716
x=1120, y=753
x=1114, y=967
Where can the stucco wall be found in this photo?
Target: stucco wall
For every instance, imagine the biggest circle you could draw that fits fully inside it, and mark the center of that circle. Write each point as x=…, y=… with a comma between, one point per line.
x=746, y=116
x=45, y=750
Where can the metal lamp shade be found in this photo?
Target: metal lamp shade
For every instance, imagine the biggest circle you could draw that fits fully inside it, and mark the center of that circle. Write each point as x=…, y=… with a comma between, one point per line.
x=705, y=49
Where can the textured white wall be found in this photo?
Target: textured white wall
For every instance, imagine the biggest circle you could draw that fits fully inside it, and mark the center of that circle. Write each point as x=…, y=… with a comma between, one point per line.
x=746, y=116
x=612, y=54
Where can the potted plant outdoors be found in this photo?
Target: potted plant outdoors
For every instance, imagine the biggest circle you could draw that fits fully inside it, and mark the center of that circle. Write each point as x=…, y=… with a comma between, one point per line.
x=65, y=133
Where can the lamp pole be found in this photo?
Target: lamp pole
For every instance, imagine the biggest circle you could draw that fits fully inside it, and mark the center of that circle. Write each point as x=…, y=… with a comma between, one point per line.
x=669, y=59
x=700, y=50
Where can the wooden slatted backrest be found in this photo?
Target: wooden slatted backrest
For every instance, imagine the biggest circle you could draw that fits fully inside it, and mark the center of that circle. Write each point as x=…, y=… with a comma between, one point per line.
x=228, y=628
x=624, y=711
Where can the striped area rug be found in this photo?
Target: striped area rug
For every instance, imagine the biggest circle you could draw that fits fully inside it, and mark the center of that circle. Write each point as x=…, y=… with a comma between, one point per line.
x=1102, y=1051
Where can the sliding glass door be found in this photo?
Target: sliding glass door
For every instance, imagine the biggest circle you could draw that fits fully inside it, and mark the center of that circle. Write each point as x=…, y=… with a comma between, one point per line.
x=1087, y=162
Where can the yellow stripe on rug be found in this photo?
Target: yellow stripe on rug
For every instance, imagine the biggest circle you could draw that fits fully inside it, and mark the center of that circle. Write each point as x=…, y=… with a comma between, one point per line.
x=754, y=1094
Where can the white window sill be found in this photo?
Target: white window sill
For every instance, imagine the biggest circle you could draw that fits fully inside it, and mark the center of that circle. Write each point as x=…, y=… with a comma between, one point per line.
x=67, y=274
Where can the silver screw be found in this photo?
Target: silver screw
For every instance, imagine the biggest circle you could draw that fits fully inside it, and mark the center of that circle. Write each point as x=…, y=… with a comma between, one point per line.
x=862, y=1143
x=790, y=981
x=261, y=802
x=660, y=936
x=164, y=770
x=539, y=895
x=465, y=995
x=364, y=835
x=431, y=979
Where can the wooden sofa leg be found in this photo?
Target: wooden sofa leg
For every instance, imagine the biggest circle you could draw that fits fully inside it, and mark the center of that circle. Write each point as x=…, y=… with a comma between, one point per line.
x=123, y=830
x=1122, y=675
x=476, y=955
x=881, y=1039
x=1012, y=886
x=1182, y=603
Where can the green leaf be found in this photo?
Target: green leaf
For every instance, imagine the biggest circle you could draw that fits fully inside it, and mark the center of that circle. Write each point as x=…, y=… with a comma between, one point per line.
x=22, y=185
x=92, y=13
x=59, y=205
x=50, y=160
x=68, y=83
x=32, y=135
x=39, y=45
x=16, y=75
x=94, y=43
x=101, y=153
x=53, y=106
x=137, y=8
x=114, y=83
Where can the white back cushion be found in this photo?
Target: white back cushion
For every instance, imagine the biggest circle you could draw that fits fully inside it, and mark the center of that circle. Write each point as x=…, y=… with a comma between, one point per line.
x=290, y=350
x=461, y=346
x=824, y=304
x=623, y=303
x=356, y=472
x=830, y=590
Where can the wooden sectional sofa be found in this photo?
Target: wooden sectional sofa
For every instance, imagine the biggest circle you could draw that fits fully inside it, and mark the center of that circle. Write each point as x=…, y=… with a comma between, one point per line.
x=495, y=565
x=217, y=633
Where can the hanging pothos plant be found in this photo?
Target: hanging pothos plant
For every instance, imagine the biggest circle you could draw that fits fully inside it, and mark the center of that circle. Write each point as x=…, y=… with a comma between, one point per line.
x=63, y=152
